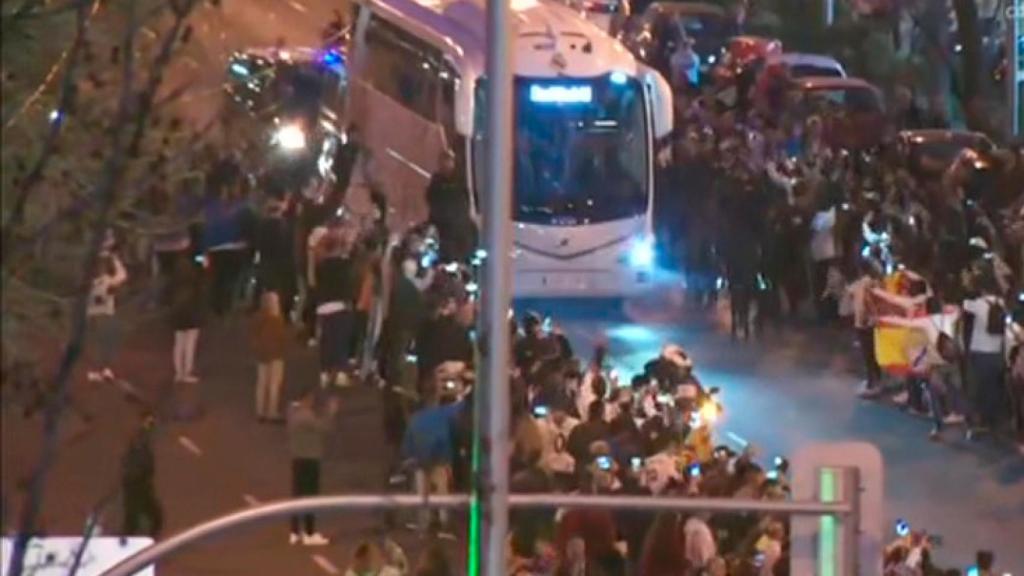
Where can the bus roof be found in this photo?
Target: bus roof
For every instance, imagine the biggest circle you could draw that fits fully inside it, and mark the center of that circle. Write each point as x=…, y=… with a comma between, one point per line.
x=552, y=39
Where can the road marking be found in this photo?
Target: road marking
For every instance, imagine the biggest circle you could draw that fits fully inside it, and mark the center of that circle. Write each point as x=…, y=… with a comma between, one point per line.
x=409, y=163
x=250, y=500
x=297, y=6
x=737, y=439
x=325, y=564
x=189, y=445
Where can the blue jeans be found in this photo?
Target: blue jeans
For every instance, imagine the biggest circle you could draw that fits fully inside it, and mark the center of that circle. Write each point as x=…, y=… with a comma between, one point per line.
x=985, y=373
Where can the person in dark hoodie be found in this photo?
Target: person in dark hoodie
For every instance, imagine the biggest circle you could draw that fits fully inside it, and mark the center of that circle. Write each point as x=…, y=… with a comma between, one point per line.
x=138, y=486
x=275, y=247
x=336, y=286
x=442, y=338
x=448, y=205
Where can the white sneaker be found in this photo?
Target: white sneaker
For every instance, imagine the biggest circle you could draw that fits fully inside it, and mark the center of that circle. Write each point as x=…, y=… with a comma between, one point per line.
x=294, y=539
x=190, y=379
x=311, y=343
x=315, y=539
x=868, y=391
x=93, y=376
x=325, y=379
x=953, y=419
x=902, y=398
x=108, y=374
x=341, y=380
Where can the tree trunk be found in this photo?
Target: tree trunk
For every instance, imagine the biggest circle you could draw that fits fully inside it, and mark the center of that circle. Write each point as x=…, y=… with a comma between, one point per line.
x=969, y=38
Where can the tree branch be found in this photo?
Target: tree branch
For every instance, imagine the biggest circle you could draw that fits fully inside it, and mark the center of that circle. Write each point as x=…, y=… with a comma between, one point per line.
x=106, y=194
x=35, y=174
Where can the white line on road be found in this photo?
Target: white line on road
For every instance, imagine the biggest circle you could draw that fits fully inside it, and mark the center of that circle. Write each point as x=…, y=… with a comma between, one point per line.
x=189, y=445
x=737, y=439
x=298, y=7
x=250, y=500
x=325, y=564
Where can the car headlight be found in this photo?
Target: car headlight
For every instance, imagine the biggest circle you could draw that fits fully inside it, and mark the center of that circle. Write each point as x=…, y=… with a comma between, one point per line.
x=290, y=137
x=641, y=253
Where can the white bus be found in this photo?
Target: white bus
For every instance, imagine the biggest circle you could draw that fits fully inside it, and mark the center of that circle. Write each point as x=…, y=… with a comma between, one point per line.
x=587, y=120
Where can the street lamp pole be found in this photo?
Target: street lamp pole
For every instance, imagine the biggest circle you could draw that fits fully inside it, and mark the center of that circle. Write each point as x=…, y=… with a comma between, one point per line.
x=492, y=493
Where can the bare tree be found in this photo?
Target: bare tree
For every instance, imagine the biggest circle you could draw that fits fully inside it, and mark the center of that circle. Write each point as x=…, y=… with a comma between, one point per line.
x=101, y=138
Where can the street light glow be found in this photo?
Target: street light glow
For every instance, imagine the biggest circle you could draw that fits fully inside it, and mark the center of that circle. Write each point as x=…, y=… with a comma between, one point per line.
x=290, y=137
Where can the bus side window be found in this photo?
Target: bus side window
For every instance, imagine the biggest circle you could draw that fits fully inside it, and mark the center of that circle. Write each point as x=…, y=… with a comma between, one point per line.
x=403, y=69
x=445, y=113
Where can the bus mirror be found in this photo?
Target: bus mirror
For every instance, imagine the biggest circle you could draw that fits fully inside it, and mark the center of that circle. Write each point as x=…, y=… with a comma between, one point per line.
x=661, y=102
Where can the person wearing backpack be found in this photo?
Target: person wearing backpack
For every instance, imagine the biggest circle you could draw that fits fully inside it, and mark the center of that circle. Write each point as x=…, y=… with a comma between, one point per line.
x=985, y=357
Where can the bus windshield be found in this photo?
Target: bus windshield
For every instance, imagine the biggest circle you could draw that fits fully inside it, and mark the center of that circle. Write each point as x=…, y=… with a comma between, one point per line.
x=580, y=150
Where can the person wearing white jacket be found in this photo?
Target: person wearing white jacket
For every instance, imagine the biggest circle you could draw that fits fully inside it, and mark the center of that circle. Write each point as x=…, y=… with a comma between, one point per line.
x=824, y=253
x=101, y=315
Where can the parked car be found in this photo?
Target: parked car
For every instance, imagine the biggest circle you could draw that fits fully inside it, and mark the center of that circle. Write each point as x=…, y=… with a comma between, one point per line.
x=802, y=65
x=654, y=35
x=853, y=109
x=928, y=153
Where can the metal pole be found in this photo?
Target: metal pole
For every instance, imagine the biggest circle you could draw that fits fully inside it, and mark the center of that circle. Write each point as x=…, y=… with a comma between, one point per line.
x=207, y=530
x=1015, y=75
x=273, y=510
x=496, y=290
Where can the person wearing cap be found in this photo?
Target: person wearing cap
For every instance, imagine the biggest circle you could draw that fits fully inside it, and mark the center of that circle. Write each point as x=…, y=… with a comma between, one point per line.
x=449, y=210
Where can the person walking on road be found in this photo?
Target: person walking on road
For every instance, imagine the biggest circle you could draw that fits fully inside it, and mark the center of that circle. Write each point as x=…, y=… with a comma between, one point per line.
x=138, y=487
x=101, y=314
x=308, y=426
x=269, y=338
x=187, y=305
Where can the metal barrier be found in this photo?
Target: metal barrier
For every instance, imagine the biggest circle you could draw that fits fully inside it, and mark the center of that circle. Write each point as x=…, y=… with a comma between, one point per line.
x=282, y=508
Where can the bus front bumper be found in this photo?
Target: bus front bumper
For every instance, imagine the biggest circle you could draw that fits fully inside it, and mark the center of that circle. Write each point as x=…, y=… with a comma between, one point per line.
x=568, y=283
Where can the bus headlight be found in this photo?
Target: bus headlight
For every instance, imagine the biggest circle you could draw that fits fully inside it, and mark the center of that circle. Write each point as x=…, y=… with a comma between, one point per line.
x=290, y=137
x=641, y=253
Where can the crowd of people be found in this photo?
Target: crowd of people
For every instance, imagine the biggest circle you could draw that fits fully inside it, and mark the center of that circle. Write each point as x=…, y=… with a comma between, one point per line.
x=763, y=198
x=758, y=203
